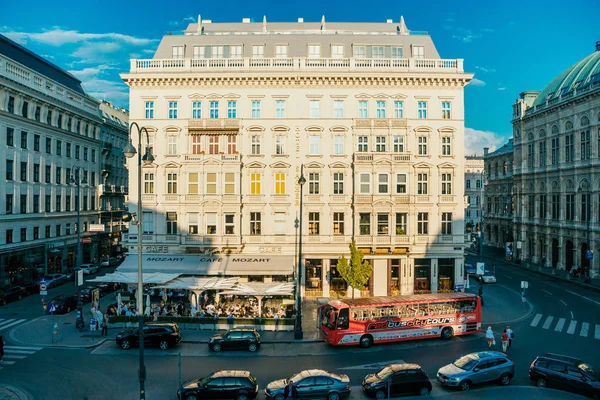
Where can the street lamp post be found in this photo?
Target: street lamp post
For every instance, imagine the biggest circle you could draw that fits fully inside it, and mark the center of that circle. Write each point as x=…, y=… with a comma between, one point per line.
x=78, y=179
x=298, y=334
x=147, y=159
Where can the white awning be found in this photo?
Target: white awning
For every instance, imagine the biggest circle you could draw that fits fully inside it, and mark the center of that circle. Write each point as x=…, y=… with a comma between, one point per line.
x=132, y=277
x=193, y=283
x=262, y=289
x=211, y=265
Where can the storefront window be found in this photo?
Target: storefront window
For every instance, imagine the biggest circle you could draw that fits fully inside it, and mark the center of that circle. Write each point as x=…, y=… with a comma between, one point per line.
x=394, y=285
x=445, y=275
x=280, y=278
x=314, y=270
x=256, y=278
x=336, y=282
x=422, y=276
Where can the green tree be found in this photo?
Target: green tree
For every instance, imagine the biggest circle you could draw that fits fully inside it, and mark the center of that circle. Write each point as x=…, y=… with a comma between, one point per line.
x=357, y=271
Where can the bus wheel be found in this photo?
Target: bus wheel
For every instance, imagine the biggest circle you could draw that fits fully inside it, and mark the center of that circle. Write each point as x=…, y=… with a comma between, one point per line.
x=366, y=341
x=447, y=333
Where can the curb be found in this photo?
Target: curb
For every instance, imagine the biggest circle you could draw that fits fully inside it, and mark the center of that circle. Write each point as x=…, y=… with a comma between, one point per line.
x=531, y=310
x=13, y=338
x=15, y=391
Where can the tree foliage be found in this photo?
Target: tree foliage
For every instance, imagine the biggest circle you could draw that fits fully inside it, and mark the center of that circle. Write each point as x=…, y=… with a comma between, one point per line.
x=356, y=271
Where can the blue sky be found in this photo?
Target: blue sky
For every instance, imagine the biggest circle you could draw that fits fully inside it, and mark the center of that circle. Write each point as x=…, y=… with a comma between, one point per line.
x=511, y=46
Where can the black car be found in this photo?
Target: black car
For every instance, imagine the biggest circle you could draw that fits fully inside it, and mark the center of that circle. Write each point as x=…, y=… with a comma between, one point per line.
x=236, y=339
x=11, y=293
x=566, y=373
x=107, y=287
x=401, y=379
x=161, y=335
x=313, y=384
x=86, y=294
x=31, y=288
x=234, y=385
x=62, y=304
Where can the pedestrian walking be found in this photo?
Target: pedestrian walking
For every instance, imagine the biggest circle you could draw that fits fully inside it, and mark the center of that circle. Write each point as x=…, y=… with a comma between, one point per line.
x=104, y=327
x=489, y=335
x=511, y=336
x=504, y=339
x=290, y=392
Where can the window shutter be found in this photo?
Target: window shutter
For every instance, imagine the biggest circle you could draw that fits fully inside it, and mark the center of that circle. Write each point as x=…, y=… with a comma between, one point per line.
x=226, y=52
x=207, y=51
x=387, y=52
x=369, y=51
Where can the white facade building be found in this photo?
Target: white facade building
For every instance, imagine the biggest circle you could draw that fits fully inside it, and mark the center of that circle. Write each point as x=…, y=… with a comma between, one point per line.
x=474, y=193
x=370, y=112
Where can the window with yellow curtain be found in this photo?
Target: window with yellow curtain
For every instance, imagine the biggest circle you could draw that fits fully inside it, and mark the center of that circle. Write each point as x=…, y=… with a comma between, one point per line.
x=193, y=183
x=229, y=183
x=279, y=183
x=211, y=183
x=254, y=183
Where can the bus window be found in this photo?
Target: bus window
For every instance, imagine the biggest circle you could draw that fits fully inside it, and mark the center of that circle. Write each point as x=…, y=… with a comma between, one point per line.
x=329, y=317
x=423, y=310
x=343, y=319
x=466, y=306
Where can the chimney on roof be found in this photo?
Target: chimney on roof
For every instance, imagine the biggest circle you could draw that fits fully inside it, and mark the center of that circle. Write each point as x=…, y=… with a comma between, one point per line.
x=322, y=22
x=300, y=20
x=598, y=45
x=389, y=21
x=245, y=20
x=199, y=27
x=264, y=24
x=485, y=151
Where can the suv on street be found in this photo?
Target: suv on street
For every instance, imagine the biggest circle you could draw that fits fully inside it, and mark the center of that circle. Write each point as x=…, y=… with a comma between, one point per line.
x=162, y=335
x=233, y=385
x=236, y=339
x=402, y=379
x=476, y=368
x=565, y=373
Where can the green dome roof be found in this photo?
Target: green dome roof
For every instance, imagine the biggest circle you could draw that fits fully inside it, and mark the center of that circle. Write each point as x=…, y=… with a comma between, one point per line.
x=582, y=73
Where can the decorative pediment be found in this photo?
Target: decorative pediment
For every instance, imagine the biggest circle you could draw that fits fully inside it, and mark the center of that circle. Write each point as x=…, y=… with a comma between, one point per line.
x=422, y=129
x=422, y=165
x=338, y=165
x=382, y=162
x=280, y=128
x=172, y=129
x=446, y=165
x=446, y=130
x=231, y=96
x=380, y=96
x=314, y=128
x=398, y=96
x=255, y=128
x=211, y=203
x=338, y=128
x=214, y=96
x=362, y=96
x=255, y=164
x=280, y=164
x=151, y=129
x=171, y=164
x=383, y=202
x=211, y=160
x=314, y=165
x=196, y=96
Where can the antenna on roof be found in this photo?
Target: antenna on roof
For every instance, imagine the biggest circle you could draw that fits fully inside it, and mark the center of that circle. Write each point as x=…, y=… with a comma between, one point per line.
x=403, y=29
x=199, y=27
x=264, y=24
x=323, y=23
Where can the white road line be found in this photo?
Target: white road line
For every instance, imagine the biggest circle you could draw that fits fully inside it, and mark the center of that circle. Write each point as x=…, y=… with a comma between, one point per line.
x=14, y=357
x=571, y=328
x=597, y=332
x=562, y=301
x=5, y=321
x=572, y=316
x=7, y=362
x=585, y=327
x=22, y=352
x=22, y=348
x=583, y=297
x=543, y=290
x=536, y=320
x=559, y=325
x=509, y=277
x=548, y=321
x=14, y=323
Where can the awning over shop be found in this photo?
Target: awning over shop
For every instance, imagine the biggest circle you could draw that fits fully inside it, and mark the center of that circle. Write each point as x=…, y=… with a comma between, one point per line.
x=193, y=283
x=132, y=277
x=262, y=289
x=207, y=265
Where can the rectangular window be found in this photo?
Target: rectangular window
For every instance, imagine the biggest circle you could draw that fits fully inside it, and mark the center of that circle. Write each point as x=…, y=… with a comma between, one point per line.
x=422, y=109
x=177, y=52
x=255, y=144
x=585, y=207
x=94, y=155
x=59, y=149
x=338, y=183
x=380, y=144
x=211, y=223
x=569, y=148
x=47, y=231
x=213, y=144
x=418, y=51
x=446, y=146
x=363, y=109
x=364, y=223
x=23, y=174
x=446, y=110
x=446, y=223
x=377, y=52
x=192, y=183
x=338, y=109
x=48, y=178
x=196, y=109
x=171, y=183
x=381, y=106
x=10, y=137
x=396, y=52
x=211, y=183
x=314, y=51
x=36, y=232
x=229, y=183
x=422, y=223
x=398, y=144
x=149, y=107
x=400, y=183
x=280, y=108
x=196, y=144
x=235, y=52
x=256, y=108
x=38, y=113
x=365, y=184
x=172, y=223
x=24, y=140
x=570, y=210
x=58, y=179
x=77, y=150
x=280, y=183
x=36, y=142
x=359, y=51
x=216, y=51
x=149, y=183
x=401, y=223
x=255, y=224
x=148, y=222
x=279, y=144
x=314, y=183
x=555, y=151
x=193, y=223
x=314, y=108
x=337, y=51
x=230, y=224
x=281, y=51
x=398, y=109
x=231, y=110
x=543, y=153
x=36, y=203
x=586, y=148
x=9, y=236
x=255, y=184
x=214, y=109
x=48, y=145
x=383, y=224
x=543, y=206
x=258, y=51
x=338, y=223
x=447, y=184
x=172, y=145
x=555, y=206
x=231, y=144
x=383, y=183
x=338, y=145
x=199, y=52
x=23, y=204
x=314, y=145
x=314, y=223
x=363, y=144
x=422, y=184
x=9, y=203
x=58, y=205
x=422, y=145
x=172, y=110
x=530, y=156
x=85, y=154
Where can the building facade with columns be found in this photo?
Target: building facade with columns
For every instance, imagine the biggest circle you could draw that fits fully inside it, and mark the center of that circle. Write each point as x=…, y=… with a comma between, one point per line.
x=474, y=168
x=49, y=128
x=369, y=114
x=556, y=180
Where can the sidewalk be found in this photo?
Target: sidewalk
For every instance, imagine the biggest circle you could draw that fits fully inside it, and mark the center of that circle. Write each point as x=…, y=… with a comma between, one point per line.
x=11, y=393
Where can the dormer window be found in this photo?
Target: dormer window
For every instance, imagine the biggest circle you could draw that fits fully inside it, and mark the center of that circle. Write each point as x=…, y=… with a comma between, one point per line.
x=314, y=51
x=258, y=51
x=177, y=51
x=418, y=52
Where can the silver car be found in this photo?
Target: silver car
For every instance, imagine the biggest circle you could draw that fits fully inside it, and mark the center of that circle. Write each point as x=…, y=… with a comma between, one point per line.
x=476, y=368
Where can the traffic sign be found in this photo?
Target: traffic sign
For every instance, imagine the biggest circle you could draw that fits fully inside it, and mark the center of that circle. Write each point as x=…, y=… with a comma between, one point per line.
x=524, y=284
x=43, y=293
x=42, y=280
x=42, y=287
x=96, y=227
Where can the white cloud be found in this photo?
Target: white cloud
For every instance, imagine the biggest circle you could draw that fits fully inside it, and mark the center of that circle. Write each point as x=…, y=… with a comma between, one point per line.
x=485, y=69
x=90, y=72
x=501, y=88
x=184, y=21
x=476, y=140
x=477, y=82
x=466, y=38
x=57, y=37
x=94, y=51
x=104, y=89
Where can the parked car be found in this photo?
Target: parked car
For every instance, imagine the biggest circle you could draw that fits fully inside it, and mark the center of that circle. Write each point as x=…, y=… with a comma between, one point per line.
x=488, y=277
x=565, y=373
x=402, y=379
x=233, y=385
x=161, y=335
x=12, y=293
x=105, y=262
x=31, y=288
x=86, y=293
x=62, y=304
x=53, y=280
x=235, y=339
x=313, y=384
x=470, y=269
x=87, y=269
x=476, y=368
x=106, y=287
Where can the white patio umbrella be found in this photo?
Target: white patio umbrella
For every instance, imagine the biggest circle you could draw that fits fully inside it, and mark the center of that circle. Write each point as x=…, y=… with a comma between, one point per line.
x=119, y=303
x=147, y=310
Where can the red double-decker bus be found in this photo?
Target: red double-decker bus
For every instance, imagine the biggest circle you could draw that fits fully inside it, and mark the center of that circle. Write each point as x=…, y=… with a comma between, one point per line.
x=385, y=319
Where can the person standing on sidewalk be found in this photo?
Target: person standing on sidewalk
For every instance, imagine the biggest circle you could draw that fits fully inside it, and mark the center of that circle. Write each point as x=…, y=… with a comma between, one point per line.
x=511, y=336
x=489, y=335
x=104, y=326
x=504, y=339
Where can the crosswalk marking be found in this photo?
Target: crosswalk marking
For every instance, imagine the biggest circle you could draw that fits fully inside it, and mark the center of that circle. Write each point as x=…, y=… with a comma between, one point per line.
x=3, y=362
x=548, y=321
x=5, y=325
x=585, y=327
x=597, y=332
x=536, y=320
x=571, y=328
x=14, y=353
x=23, y=348
x=559, y=325
x=14, y=357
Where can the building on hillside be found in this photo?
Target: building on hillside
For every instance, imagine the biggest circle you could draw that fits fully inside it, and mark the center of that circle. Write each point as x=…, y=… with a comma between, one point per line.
x=556, y=155
x=236, y=111
x=474, y=193
x=498, y=207
x=49, y=128
x=114, y=186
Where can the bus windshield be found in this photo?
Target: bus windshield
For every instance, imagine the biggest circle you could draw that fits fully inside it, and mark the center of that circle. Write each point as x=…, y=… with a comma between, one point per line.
x=329, y=317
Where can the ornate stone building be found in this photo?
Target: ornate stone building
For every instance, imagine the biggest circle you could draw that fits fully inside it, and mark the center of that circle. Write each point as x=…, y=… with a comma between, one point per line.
x=474, y=192
x=556, y=155
x=236, y=111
